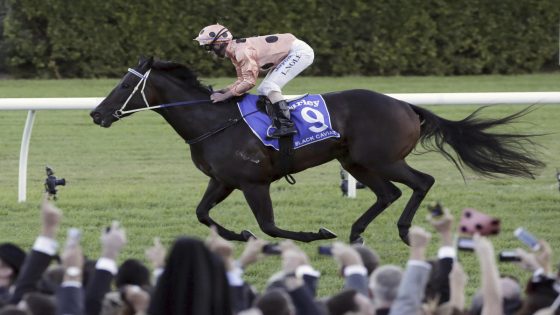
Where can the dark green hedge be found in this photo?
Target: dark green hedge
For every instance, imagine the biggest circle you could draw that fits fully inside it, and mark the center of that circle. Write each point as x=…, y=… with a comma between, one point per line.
x=84, y=38
x=3, y=9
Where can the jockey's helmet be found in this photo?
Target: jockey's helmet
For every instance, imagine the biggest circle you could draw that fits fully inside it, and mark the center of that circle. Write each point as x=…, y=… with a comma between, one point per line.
x=213, y=34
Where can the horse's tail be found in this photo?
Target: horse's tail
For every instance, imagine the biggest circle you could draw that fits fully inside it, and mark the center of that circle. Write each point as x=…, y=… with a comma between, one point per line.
x=486, y=153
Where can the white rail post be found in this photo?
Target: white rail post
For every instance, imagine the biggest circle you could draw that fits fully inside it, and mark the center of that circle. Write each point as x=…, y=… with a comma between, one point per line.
x=351, y=186
x=23, y=153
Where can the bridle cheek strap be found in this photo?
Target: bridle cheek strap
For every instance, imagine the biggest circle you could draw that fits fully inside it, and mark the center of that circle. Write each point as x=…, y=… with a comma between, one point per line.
x=143, y=79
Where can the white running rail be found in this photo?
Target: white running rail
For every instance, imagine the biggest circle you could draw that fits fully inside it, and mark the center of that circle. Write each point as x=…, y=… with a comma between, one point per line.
x=33, y=104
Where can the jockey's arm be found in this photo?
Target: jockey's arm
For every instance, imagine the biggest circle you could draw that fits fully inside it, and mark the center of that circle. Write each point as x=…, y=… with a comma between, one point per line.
x=247, y=73
x=234, y=84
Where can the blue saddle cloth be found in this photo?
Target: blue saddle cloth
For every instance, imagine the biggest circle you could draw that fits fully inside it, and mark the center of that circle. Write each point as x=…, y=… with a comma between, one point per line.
x=310, y=115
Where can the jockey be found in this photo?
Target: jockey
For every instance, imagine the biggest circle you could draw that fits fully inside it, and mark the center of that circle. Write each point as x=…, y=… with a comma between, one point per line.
x=283, y=56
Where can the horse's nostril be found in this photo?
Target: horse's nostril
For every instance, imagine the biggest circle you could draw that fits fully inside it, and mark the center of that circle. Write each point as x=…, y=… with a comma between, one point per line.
x=96, y=117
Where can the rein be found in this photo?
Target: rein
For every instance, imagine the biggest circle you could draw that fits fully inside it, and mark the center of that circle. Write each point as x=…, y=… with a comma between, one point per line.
x=229, y=123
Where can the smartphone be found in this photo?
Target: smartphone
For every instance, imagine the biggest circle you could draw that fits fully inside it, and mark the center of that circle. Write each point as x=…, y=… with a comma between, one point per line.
x=527, y=238
x=508, y=256
x=271, y=249
x=73, y=237
x=325, y=250
x=465, y=244
x=436, y=209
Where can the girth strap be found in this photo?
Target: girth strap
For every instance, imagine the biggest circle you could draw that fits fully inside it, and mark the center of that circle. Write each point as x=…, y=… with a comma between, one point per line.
x=286, y=156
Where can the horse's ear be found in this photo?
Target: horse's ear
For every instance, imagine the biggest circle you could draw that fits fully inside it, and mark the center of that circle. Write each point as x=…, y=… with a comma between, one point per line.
x=145, y=61
x=149, y=62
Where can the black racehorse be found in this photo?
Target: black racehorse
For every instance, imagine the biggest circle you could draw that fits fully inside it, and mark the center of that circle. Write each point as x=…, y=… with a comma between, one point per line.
x=377, y=133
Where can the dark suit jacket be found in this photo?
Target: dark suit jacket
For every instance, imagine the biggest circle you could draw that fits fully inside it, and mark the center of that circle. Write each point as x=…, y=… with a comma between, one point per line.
x=304, y=301
x=33, y=267
x=69, y=301
x=311, y=283
x=442, y=279
x=97, y=287
x=5, y=296
x=242, y=297
x=382, y=311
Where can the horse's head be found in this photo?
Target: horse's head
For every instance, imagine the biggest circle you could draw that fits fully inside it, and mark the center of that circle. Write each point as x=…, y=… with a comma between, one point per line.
x=128, y=95
x=169, y=82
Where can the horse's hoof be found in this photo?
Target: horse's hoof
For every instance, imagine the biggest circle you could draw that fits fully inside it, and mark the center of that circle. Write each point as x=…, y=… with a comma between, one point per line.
x=246, y=235
x=326, y=234
x=358, y=241
x=404, y=238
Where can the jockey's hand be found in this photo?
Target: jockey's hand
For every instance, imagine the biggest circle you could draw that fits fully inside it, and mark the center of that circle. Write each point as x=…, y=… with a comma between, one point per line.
x=220, y=97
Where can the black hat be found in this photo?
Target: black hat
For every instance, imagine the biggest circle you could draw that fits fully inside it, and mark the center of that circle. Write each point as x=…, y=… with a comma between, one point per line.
x=12, y=255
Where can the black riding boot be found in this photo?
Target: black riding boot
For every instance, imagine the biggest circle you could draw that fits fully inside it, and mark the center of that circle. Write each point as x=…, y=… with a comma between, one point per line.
x=281, y=120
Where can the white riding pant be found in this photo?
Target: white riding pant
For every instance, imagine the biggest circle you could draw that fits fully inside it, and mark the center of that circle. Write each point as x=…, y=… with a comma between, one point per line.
x=300, y=57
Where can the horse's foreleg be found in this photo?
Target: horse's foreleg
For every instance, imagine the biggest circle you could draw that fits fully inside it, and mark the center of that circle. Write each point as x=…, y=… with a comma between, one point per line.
x=386, y=194
x=215, y=193
x=419, y=182
x=258, y=198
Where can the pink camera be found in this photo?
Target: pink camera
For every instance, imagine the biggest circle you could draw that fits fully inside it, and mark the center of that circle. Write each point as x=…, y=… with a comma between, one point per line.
x=474, y=221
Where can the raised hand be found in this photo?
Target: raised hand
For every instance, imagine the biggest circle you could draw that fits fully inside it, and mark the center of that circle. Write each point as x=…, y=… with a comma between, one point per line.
x=113, y=240
x=50, y=218
x=156, y=254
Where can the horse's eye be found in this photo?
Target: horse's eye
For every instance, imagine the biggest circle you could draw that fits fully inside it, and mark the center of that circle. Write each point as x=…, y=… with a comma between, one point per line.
x=125, y=86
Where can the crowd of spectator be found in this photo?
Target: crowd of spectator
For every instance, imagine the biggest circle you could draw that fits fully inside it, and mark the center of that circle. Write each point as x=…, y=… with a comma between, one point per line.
x=203, y=277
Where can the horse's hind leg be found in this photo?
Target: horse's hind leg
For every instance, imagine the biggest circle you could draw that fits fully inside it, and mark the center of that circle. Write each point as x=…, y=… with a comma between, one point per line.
x=258, y=198
x=419, y=182
x=215, y=193
x=386, y=194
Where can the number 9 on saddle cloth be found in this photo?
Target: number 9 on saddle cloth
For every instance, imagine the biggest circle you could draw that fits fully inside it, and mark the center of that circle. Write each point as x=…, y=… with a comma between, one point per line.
x=309, y=113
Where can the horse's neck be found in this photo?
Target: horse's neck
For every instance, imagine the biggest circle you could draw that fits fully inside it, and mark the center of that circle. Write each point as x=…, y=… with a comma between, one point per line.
x=191, y=121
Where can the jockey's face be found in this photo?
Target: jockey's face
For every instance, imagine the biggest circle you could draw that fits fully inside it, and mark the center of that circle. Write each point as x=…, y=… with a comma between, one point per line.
x=219, y=49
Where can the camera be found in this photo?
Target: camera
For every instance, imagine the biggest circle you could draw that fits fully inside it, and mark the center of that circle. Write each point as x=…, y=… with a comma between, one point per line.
x=508, y=256
x=474, y=221
x=527, y=238
x=51, y=182
x=325, y=250
x=271, y=249
x=436, y=209
x=465, y=244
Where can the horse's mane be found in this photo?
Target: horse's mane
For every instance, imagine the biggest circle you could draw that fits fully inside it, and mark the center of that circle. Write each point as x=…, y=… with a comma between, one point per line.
x=182, y=73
